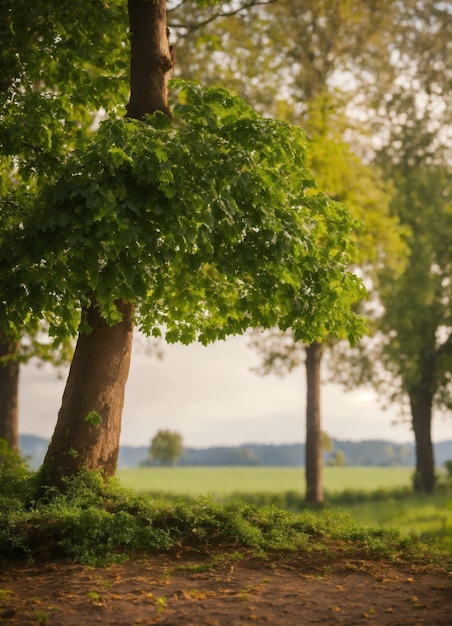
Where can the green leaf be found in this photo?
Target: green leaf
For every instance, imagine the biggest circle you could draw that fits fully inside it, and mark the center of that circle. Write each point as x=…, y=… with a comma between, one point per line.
x=93, y=418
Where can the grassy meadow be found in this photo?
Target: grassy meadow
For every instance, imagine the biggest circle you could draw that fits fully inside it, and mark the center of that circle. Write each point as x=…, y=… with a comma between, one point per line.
x=220, y=482
x=371, y=495
x=97, y=522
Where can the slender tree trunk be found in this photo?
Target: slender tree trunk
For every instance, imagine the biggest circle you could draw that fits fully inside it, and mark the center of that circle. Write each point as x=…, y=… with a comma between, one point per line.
x=9, y=391
x=89, y=422
x=313, y=461
x=421, y=412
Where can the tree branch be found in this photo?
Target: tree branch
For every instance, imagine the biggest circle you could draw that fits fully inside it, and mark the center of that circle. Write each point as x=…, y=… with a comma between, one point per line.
x=193, y=26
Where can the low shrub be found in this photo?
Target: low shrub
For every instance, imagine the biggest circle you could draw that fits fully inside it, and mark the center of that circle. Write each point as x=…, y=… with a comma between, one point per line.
x=96, y=521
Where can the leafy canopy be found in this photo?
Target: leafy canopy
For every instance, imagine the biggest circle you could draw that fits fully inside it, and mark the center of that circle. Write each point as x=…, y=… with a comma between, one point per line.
x=204, y=223
x=60, y=62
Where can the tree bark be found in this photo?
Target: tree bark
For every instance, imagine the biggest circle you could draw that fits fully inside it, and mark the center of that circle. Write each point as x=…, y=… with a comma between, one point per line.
x=89, y=422
x=88, y=429
x=313, y=460
x=151, y=60
x=9, y=391
x=421, y=412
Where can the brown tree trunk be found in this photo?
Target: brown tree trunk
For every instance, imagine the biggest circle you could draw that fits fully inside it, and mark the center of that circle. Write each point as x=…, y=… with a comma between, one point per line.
x=9, y=391
x=89, y=422
x=313, y=461
x=151, y=60
x=421, y=413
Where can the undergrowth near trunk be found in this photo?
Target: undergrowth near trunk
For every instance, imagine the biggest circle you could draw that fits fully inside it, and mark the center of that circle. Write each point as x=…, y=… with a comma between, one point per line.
x=97, y=522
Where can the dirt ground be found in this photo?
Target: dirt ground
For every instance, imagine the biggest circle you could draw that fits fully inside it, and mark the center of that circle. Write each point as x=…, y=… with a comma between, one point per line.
x=209, y=590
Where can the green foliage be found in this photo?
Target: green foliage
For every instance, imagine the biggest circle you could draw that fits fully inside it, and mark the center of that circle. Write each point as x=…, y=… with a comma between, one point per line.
x=448, y=466
x=93, y=418
x=52, y=76
x=97, y=522
x=417, y=321
x=205, y=224
x=344, y=176
x=280, y=69
x=429, y=517
x=53, y=81
x=373, y=496
x=14, y=474
x=166, y=447
x=342, y=56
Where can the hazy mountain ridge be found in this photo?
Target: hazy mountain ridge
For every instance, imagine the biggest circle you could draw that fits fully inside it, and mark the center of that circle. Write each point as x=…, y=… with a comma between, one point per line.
x=364, y=453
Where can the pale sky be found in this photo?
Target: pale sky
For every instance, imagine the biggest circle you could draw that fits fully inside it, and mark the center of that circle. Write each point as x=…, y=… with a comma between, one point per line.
x=211, y=397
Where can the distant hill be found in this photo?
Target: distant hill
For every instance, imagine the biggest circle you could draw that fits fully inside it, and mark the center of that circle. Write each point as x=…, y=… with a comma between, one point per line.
x=366, y=453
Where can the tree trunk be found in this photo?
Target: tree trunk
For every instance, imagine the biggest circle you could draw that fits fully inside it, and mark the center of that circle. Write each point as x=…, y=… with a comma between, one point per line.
x=151, y=60
x=313, y=461
x=9, y=391
x=89, y=422
x=421, y=413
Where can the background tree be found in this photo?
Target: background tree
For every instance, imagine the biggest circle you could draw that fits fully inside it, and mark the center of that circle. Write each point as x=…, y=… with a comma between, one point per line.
x=140, y=228
x=12, y=355
x=166, y=447
x=409, y=357
x=9, y=381
x=283, y=69
x=413, y=341
x=399, y=49
x=327, y=442
x=339, y=459
x=417, y=322
x=319, y=39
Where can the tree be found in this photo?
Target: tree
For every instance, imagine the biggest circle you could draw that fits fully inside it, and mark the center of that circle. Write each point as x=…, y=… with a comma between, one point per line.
x=166, y=447
x=347, y=179
x=9, y=380
x=13, y=353
x=417, y=322
x=327, y=443
x=398, y=49
x=409, y=357
x=245, y=456
x=139, y=228
x=339, y=459
x=340, y=172
x=416, y=326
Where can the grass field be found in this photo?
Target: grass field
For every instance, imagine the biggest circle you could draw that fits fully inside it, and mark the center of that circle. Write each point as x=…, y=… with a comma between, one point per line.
x=351, y=489
x=224, y=481
x=429, y=517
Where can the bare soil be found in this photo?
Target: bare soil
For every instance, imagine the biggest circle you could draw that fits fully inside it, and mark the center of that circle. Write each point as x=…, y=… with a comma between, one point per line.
x=217, y=590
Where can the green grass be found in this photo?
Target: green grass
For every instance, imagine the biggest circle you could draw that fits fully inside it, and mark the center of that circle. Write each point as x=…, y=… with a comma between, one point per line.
x=220, y=482
x=372, y=496
x=93, y=521
x=430, y=517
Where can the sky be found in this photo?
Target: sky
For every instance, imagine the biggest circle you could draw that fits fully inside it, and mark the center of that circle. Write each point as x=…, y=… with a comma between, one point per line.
x=211, y=396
